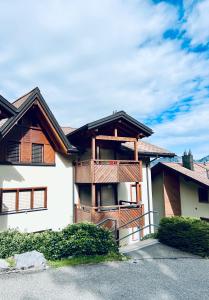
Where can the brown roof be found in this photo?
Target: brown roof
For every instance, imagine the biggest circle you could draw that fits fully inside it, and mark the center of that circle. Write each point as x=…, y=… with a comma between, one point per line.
x=17, y=103
x=67, y=130
x=149, y=149
x=199, y=174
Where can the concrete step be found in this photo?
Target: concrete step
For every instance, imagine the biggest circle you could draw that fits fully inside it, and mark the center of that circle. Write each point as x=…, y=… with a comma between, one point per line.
x=138, y=245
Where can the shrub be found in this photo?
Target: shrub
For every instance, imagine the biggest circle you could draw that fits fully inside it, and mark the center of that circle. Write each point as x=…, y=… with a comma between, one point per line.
x=82, y=239
x=186, y=234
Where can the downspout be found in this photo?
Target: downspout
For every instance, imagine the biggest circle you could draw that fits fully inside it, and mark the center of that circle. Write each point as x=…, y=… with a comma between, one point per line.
x=148, y=190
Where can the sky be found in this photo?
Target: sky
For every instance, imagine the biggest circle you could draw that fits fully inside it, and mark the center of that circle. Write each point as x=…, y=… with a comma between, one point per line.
x=90, y=58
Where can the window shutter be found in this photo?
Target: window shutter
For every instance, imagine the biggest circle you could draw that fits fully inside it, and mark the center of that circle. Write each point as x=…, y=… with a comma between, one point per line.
x=8, y=201
x=24, y=200
x=37, y=153
x=39, y=197
x=13, y=152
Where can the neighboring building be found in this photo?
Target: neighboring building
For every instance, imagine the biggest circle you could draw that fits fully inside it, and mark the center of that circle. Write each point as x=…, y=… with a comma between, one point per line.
x=181, y=189
x=101, y=168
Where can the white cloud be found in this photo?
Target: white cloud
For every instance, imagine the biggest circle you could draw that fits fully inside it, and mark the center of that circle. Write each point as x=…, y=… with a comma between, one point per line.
x=197, y=24
x=92, y=57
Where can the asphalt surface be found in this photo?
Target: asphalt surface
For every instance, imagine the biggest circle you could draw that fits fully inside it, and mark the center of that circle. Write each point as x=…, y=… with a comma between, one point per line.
x=148, y=275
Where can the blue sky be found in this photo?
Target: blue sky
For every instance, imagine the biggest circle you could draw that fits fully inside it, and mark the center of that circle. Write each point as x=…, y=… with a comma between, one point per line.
x=149, y=58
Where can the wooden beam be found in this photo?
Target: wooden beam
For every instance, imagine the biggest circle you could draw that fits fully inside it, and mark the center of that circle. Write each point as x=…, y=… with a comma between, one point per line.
x=93, y=195
x=136, y=154
x=93, y=148
x=115, y=138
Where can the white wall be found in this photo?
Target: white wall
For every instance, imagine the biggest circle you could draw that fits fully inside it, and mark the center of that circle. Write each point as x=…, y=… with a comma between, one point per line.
x=190, y=205
x=59, y=182
x=124, y=193
x=158, y=198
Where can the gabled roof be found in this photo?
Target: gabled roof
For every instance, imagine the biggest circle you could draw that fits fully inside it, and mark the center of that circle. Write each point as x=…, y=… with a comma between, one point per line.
x=22, y=105
x=147, y=149
x=199, y=175
x=121, y=115
x=7, y=105
x=20, y=101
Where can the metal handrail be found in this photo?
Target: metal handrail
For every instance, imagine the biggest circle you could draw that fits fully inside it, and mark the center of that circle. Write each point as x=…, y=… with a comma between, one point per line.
x=107, y=220
x=138, y=218
x=138, y=230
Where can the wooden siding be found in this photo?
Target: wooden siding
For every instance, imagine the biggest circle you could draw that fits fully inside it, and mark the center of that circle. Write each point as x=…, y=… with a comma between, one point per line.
x=108, y=171
x=171, y=194
x=121, y=213
x=27, y=135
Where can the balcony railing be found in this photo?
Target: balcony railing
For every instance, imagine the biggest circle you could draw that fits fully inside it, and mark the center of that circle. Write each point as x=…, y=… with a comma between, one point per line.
x=121, y=213
x=108, y=171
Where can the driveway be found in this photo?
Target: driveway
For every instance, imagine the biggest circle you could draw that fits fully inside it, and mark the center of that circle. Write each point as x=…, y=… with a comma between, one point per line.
x=148, y=275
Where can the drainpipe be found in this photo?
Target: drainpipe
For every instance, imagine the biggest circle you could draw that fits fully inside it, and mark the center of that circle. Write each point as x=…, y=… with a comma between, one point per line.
x=148, y=189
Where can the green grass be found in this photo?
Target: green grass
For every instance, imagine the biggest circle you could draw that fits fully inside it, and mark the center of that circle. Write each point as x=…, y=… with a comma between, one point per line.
x=74, y=261
x=11, y=262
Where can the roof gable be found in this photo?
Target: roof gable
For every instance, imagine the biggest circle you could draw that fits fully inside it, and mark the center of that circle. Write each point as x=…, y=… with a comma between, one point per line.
x=25, y=103
x=125, y=124
x=196, y=176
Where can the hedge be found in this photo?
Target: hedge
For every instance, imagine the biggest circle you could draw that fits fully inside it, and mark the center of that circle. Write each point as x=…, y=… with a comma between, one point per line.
x=84, y=239
x=187, y=234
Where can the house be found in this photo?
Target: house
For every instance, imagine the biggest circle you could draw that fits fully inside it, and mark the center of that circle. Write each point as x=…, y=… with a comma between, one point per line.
x=36, y=173
x=181, y=189
x=52, y=176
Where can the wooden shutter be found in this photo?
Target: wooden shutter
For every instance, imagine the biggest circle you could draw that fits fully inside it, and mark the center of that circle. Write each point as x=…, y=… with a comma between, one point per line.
x=37, y=153
x=13, y=152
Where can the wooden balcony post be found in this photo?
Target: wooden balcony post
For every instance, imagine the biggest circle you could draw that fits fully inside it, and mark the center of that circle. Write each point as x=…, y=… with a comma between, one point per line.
x=136, y=156
x=93, y=148
x=93, y=194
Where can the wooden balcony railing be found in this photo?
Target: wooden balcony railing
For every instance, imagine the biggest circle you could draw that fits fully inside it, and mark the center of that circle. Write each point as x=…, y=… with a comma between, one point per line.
x=121, y=213
x=107, y=171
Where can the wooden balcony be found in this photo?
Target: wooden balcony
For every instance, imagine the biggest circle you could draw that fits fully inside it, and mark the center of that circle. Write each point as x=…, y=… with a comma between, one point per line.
x=108, y=171
x=121, y=213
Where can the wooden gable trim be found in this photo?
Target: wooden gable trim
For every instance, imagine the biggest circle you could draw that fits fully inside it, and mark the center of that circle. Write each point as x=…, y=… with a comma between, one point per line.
x=115, y=138
x=56, y=135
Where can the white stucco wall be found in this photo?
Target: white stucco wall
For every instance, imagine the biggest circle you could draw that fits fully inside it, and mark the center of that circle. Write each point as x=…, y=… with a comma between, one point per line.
x=190, y=205
x=124, y=193
x=59, y=182
x=158, y=198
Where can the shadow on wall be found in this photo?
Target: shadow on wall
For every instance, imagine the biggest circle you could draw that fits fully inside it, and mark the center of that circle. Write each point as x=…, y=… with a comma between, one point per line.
x=7, y=174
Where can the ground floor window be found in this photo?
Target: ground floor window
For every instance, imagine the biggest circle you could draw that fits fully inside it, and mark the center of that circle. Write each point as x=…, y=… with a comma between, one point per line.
x=107, y=195
x=21, y=199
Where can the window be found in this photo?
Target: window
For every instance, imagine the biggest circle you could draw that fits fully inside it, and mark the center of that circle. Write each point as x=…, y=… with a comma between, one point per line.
x=16, y=200
x=13, y=152
x=37, y=153
x=203, y=195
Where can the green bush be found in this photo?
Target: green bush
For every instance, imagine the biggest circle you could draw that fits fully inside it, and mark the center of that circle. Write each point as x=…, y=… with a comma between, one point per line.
x=82, y=239
x=186, y=234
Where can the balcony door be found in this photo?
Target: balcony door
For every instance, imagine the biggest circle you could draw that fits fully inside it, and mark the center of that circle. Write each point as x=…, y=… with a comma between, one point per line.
x=107, y=195
x=135, y=193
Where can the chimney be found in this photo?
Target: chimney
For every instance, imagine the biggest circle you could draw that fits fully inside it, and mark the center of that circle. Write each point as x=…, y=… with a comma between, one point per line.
x=187, y=160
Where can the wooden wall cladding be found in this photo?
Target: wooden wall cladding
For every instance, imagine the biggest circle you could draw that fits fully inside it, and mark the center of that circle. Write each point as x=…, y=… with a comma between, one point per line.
x=172, y=194
x=26, y=136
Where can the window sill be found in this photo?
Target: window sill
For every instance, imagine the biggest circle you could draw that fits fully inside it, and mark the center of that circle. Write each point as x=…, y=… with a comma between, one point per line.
x=27, y=164
x=22, y=211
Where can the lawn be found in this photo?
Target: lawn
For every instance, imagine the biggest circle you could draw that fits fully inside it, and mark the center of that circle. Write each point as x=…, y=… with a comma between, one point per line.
x=81, y=260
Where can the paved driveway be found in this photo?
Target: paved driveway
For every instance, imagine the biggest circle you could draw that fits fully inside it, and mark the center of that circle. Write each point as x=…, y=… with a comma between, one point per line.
x=179, y=277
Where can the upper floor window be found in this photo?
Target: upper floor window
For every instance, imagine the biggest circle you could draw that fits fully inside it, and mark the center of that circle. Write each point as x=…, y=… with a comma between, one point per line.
x=203, y=195
x=13, y=152
x=37, y=153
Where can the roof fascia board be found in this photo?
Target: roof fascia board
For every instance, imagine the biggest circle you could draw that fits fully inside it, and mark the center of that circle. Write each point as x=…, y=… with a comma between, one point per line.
x=7, y=105
x=24, y=108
